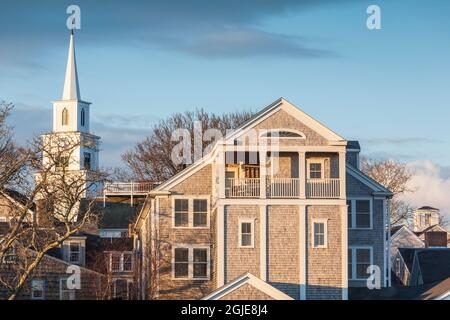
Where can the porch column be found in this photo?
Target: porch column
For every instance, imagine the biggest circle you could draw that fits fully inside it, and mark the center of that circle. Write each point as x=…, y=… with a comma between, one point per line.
x=263, y=242
x=221, y=164
x=302, y=174
x=302, y=251
x=262, y=173
x=344, y=251
x=220, y=233
x=342, y=171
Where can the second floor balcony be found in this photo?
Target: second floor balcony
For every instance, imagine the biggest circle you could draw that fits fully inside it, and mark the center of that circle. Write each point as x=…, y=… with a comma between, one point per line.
x=282, y=188
x=286, y=175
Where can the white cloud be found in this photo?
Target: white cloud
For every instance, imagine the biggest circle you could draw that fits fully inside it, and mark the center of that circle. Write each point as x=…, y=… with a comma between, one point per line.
x=432, y=183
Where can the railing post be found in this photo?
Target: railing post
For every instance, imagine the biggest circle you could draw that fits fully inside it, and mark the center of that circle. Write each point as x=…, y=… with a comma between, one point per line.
x=131, y=193
x=302, y=174
x=262, y=173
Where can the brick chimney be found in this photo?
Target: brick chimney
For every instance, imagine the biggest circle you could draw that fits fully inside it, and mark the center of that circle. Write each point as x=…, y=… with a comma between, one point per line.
x=435, y=239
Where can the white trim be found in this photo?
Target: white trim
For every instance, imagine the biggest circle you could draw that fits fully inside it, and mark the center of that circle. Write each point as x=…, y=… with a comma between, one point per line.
x=354, y=248
x=220, y=234
x=344, y=252
x=385, y=229
x=263, y=242
x=443, y=296
x=252, y=238
x=353, y=200
x=190, y=212
x=369, y=182
x=191, y=248
x=323, y=221
x=251, y=280
x=302, y=251
x=42, y=282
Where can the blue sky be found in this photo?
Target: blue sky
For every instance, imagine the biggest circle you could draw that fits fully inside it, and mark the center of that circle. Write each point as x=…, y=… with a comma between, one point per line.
x=140, y=61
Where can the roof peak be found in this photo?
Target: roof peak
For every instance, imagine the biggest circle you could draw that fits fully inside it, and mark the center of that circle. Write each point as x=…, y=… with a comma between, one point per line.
x=71, y=86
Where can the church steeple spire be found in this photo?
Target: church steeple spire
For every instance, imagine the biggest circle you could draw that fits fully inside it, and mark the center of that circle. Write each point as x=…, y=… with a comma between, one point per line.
x=71, y=85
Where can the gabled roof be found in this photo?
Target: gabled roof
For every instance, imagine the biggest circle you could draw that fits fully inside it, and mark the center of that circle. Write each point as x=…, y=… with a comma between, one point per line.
x=431, y=228
x=251, y=280
x=368, y=181
x=277, y=105
x=427, y=208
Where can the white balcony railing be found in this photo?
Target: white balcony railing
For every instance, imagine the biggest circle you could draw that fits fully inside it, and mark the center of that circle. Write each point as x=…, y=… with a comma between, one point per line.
x=242, y=188
x=323, y=188
x=124, y=188
x=283, y=187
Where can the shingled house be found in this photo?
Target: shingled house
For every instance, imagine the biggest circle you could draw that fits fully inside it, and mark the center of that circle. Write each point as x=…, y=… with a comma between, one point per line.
x=277, y=209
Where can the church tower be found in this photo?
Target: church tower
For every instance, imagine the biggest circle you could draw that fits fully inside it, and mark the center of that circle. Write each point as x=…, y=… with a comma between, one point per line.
x=71, y=126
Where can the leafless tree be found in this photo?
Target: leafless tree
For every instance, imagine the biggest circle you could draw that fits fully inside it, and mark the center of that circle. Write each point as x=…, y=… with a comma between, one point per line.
x=150, y=159
x=46, y=201
x=395, y=176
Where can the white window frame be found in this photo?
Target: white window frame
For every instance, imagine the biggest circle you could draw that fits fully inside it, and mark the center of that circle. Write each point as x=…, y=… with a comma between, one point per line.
x=114, y=285
x=325, y=238
x=61, y=290
x=43, y=289
x=121, y=255
x=352, y=224
x=252, y=238
x=69, y=251
x=310, y=161
x=191, y=211
x=191, y=248
x=4, y=219
x=353, y=264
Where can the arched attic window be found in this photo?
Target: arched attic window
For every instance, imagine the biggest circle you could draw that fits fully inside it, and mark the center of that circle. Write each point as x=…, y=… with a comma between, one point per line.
x=65, y=117
x=83, y=121
x=283, y=134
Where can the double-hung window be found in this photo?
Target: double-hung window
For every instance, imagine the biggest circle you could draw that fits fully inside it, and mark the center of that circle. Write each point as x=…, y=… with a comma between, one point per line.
x=74, y=252
x=359, y=260
x=319, y=237
x=246, y=233
x=191, y=262
x=200, y=213
x=191, y=213
x=37, y=289
x=360, y=213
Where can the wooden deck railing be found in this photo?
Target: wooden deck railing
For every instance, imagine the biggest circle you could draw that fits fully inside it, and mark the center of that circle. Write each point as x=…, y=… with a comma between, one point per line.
x=323, y=188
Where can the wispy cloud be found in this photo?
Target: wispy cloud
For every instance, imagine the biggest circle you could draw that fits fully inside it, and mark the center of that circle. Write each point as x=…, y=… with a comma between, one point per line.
x=208, y=29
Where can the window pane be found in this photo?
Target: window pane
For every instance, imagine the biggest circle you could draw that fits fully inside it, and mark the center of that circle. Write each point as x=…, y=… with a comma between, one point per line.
x=362, y=206
x=181, y=270
x=200, y=219
x=200, y=205
x=127, y=262
x=200, y=255
x=181, y=219
x=246, y=227
x=181, y=255
x=362, y=220
x=349, y=211
x=350, y=270
x=363, y=256
x=115, y=262
x=246, y=240
x=181, y=262
x=361, y=271
x=181, y=205
x=200, y=270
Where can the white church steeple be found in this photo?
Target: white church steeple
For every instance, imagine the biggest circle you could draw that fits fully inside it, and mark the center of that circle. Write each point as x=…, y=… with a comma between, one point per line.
x=71, y=114
x=71, y=86
x=71, y=122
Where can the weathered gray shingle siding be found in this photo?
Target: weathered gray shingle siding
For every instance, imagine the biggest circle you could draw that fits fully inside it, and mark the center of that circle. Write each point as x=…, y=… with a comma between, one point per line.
x=367, y=237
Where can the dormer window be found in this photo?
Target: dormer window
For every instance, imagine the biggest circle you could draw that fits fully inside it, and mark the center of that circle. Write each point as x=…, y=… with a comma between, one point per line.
x=74, y=252
x=65, y=117
x=83, y=121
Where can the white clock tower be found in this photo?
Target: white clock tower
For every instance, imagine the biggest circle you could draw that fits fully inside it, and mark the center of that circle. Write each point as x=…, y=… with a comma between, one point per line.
x=71, y=124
